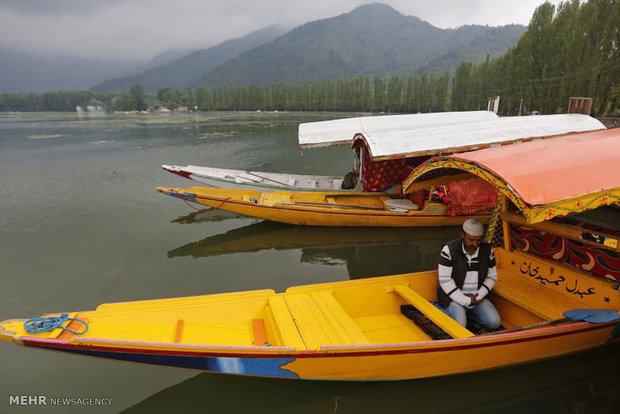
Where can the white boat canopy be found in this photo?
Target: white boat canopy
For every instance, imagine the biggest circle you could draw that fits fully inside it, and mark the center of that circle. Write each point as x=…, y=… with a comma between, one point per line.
x=341, y=131
x=430, y=136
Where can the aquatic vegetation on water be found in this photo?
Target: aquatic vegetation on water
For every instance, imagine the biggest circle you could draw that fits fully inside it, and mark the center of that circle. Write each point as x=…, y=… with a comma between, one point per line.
x=206, y=135
x=46, y=136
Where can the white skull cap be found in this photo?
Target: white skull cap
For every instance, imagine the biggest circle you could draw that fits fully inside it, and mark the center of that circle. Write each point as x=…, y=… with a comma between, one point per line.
x=473, y=227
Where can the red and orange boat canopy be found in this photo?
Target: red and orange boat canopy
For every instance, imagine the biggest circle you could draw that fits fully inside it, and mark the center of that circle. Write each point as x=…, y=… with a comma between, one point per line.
x=543, y=178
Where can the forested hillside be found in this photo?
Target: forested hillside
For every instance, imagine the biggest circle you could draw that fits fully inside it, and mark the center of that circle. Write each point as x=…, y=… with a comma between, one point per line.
x=569, y=50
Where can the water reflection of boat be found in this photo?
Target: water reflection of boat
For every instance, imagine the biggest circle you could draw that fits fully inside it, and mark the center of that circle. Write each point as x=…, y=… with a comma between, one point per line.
x=267, y=235
x=205, y=215
x=379, y=259
x=366, y=252
x=585, y=382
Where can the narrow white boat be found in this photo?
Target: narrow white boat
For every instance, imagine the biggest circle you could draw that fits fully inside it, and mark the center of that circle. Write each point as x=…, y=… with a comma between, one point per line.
x=262, y=181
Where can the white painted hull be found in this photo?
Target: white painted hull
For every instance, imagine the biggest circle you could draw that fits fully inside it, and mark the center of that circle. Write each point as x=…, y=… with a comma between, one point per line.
x=255, y=180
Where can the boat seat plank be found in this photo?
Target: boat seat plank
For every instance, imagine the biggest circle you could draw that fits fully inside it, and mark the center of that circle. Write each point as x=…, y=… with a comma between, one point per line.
x=338, y=317
x=314, y=329
x=317, y=318
x=398, y=204
x=284, y=325
x=448, y=324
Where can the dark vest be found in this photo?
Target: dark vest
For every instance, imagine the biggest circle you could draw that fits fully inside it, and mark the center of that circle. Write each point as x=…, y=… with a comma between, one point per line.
x=459, y=267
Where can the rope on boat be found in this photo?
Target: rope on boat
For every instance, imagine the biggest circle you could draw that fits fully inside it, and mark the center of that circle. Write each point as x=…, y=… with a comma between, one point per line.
x=222, y=203
x=200, y=209
x=180, y=196
x=495, y=222
x=49, y=323
x=211, y=208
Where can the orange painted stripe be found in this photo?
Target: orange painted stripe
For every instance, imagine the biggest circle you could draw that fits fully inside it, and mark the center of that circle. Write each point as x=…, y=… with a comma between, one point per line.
x=73, y=325
x=259, y=336
x=178, y=331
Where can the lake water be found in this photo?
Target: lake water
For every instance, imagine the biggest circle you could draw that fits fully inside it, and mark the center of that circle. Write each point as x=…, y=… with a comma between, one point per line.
x=81, y=224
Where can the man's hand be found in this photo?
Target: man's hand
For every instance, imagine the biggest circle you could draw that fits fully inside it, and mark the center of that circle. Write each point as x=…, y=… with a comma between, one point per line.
x=474, y=299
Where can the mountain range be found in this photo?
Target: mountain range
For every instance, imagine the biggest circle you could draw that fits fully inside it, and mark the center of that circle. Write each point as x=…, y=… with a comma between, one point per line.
x=180, y=72
x=371, y=40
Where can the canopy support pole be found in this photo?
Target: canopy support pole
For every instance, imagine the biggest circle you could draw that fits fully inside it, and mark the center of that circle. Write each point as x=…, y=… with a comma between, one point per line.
x=494, y=223
x=505, y=224
x=361, y=166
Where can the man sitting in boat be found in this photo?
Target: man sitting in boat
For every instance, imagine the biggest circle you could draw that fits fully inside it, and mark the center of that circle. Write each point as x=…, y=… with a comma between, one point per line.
x=467, y=274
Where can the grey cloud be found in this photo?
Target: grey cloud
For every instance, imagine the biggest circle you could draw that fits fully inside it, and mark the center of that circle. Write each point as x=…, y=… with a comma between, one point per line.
x=56, y=7
x=140, y=29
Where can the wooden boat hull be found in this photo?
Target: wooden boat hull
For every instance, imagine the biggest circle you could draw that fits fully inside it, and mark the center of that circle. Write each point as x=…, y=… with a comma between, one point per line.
x=400, y=362
x=351, y=330
x=319, y=208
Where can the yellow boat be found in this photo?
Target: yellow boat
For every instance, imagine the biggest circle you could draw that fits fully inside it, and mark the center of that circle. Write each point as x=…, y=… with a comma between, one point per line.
x=323, y=208
x=355, y=330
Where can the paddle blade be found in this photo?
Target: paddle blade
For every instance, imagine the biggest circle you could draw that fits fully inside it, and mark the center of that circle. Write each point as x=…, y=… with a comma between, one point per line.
x=592, y=315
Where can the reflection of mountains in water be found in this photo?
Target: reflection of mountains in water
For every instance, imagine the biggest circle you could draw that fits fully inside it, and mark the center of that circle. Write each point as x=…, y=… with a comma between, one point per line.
x=365, y=251
x=585, y=382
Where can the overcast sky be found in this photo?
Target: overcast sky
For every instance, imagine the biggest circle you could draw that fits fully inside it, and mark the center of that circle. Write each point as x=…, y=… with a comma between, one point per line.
x=140, y=29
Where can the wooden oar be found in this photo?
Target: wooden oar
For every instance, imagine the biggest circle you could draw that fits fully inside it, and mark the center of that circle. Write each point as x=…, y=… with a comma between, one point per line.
x=268, y=179
x=359, y=194
x=328, y=205
x=230, y=177
x=575, y=315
